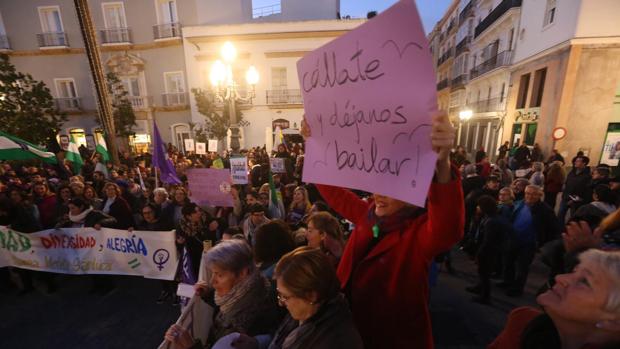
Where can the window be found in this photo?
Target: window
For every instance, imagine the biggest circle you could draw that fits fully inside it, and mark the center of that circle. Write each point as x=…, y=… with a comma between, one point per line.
x=114, y=15
x=550, y=13
x=131, y=86
x=263, y=8
x=67, y=93
x=174, y=82
x=50, y=19
x=167, y=11
x=539, y=86
x=524, y=85
x=278, y=78
x=511, y=34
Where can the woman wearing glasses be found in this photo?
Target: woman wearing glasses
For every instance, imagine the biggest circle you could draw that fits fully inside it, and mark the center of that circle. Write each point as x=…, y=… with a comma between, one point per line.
x=242, y=297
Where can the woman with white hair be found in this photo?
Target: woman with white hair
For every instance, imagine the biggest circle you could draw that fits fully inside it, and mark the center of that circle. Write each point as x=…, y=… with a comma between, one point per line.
x=242, y=297
x=537, y=177
x=582, y=310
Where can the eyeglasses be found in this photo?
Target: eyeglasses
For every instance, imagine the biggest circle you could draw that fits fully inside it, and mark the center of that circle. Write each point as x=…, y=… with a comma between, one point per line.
x=282, y=298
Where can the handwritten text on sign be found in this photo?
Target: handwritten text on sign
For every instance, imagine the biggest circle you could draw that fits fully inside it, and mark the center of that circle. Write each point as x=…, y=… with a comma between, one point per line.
x=367, y=97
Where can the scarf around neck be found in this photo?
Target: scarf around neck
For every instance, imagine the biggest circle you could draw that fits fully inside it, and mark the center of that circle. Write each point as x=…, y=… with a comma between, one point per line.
x=395, y=222
x=242, y=305
x=79, y=218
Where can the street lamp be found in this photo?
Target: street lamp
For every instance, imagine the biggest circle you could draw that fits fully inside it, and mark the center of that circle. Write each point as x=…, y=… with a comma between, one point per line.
x=222, y=79
x=464, y=115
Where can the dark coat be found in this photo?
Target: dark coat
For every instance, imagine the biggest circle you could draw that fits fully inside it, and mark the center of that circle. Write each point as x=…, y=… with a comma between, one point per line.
x=490, y=240
x=577, y=184
x=546, y=223
x=93, y=218
x=330, y=328
x=121, y=211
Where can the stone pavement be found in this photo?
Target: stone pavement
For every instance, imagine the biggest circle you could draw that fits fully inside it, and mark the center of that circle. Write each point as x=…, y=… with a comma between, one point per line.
x=129, y=318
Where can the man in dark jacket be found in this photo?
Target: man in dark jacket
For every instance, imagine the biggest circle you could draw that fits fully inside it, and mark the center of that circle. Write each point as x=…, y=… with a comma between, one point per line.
x=533, y=224
x=575, y=193
x=493, y=228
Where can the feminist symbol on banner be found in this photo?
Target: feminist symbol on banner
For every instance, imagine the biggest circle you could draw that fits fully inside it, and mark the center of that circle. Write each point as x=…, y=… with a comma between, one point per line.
x=160, y=257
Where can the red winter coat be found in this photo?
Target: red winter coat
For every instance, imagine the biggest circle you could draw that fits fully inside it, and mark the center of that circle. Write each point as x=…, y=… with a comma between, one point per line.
x=389, y=284
x=47, y=211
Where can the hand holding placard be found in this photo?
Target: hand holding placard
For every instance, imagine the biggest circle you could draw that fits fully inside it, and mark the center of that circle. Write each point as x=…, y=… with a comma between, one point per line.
x=368, y=96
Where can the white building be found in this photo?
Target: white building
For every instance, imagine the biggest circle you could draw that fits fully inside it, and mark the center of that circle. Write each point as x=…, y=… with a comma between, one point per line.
x=274, y=49
x=491, y=52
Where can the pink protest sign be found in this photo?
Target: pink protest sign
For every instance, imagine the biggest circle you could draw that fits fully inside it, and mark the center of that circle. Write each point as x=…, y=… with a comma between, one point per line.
x=367, y=98
x=209, y=186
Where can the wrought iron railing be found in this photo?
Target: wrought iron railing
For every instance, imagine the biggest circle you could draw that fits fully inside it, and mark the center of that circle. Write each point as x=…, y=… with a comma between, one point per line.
x=266, y=10
x=167, y=30
x=175, y=99
x=501, y=59
x=446, y=55
x=284, y=97
x=462, y=46
x=443, y=84
x=4, y=43
x=68, y=103
x=459, y=81
x=52, y=39
x=487, y=106
x=468, y=10
x=497, y=12
x=115, y=35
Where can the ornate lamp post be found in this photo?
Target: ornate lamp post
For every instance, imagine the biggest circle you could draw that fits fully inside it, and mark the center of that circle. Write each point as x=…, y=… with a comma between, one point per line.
x=225, y=87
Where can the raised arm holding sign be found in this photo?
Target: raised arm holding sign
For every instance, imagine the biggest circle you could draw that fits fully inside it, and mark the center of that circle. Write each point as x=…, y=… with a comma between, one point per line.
x=370, y=102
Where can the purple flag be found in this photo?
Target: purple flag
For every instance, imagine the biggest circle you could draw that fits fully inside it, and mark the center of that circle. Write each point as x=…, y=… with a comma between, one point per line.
x=161, y=160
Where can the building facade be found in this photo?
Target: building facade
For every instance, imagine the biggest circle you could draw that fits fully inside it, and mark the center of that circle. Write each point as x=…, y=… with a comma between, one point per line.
x=141, y=41
x=566, y=74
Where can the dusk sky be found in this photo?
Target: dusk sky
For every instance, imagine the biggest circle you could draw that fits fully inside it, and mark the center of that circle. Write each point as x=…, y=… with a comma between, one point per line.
x=430, y=10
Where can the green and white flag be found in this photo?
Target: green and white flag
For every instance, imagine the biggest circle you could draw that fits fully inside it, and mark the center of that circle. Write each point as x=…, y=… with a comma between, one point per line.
x=102, y=148
x=13, y=148
x=73, y=155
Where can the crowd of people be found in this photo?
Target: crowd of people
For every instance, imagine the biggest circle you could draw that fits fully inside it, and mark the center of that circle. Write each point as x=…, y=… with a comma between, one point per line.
x=330, y=267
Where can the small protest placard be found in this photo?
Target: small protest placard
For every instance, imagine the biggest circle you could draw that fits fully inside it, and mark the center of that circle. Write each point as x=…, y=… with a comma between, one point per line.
x=212, y=144
x=201, y=148
x=189, y=145
x=210, y=187
x=277, y=165
x=368, y=97
x=239, y=170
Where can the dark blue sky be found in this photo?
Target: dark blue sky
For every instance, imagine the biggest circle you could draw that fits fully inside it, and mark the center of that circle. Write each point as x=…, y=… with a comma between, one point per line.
x=430, y=10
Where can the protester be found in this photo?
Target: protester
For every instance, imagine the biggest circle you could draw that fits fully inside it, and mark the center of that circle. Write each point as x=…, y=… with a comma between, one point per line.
x=575, y=193
x=117, y=207
x=242, y=297
x=325, y=233
x=582, y=310
x=272, y=240
x=255, y=219
x=554, y=180
x=407, y=238
x=46, y=204
x=299, y=207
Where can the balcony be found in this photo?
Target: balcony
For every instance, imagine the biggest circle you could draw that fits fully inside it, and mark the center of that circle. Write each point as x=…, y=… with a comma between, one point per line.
x=459, y=82
x=140, y=102
x=116, y=36
x=443, y=84
x=52, y=39
x=500, y=60
x=446, y=55
x=451, y=26
x=175, y=99
x=502, y=8
x=167, y=30
x=4, y=43
x=68, y=103
x=468, y=11
x=462, y=46
x=487, y=106
x=265, y=11
x=284, y=97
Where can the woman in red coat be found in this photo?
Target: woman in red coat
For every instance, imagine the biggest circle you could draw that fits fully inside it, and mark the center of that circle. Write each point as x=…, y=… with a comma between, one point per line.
x=384, y=268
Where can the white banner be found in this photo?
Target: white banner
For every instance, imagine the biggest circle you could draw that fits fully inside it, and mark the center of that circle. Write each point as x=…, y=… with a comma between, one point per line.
x=151, y=254
x=239, y=170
